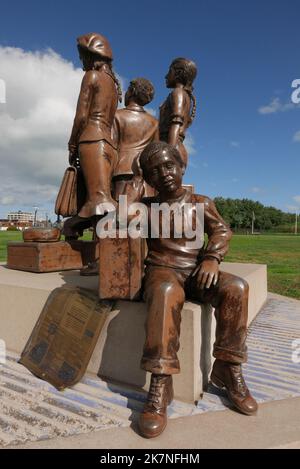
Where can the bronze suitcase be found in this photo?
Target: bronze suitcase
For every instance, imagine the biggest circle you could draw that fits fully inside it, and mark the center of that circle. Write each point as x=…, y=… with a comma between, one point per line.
x=50, y=257
x=65, y=335
x=71, y=194
x=66, y=201
x=121, y=267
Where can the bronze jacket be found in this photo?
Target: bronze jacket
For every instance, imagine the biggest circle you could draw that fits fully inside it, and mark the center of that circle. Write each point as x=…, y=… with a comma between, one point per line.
x=175, y=110
x=96, y=107
x=175, y=252
x=133, y=130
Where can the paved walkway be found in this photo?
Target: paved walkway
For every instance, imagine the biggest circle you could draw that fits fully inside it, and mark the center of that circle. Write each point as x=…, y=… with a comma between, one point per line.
x=277, y=425
x=32, y=410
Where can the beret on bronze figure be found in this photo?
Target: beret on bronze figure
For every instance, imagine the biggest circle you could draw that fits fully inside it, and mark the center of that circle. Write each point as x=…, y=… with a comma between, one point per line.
x=96, y=44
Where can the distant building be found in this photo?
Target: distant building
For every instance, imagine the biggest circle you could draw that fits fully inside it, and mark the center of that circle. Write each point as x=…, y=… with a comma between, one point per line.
x=4, y=224
x=21, y=217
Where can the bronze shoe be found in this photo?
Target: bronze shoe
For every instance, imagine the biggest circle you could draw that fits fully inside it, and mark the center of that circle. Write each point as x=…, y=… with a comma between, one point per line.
x=229, y=376
x=153, y=419
x=74, y=226
x=91, y=269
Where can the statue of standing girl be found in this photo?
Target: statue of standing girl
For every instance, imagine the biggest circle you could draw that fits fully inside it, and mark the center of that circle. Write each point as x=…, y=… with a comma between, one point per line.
x=178, y=110
x=91, y=133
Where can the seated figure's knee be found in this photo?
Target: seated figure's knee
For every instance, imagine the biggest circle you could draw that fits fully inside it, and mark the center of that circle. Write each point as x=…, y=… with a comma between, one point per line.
x=238, y=286
x=165, y=289
x=171, y=289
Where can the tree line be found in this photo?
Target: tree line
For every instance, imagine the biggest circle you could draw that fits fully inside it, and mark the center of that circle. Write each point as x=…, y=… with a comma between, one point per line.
x=238, y=214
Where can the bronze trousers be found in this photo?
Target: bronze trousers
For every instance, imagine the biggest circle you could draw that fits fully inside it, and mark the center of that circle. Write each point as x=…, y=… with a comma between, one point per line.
x=165, y=290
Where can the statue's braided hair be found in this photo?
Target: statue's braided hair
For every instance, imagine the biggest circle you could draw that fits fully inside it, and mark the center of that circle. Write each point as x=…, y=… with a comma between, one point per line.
x=117, y=82
x=96, y=62
x=186, y=72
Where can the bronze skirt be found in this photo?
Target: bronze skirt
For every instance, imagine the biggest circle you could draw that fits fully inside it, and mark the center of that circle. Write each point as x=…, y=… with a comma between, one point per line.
x=97, y=161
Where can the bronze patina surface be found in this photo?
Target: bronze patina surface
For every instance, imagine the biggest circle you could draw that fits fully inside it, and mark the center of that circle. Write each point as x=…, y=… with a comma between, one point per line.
x=178, y=110
x=63, y=340
x=175, y=272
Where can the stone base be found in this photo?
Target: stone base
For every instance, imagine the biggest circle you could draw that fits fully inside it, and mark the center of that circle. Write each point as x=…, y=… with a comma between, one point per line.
x=50, y=256
x=119, y=348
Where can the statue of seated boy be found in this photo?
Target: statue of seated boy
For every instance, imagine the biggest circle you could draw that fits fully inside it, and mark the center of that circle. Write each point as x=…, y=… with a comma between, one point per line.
x=175, y=271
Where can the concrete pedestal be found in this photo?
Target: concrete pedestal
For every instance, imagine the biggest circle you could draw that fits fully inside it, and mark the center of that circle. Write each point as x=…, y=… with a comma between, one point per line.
x=119, y=348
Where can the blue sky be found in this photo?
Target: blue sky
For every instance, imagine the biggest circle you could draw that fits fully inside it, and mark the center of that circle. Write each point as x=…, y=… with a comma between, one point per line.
x=247, y=53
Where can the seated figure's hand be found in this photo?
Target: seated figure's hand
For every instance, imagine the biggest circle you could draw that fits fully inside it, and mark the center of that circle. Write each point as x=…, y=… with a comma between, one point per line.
x=207, y=273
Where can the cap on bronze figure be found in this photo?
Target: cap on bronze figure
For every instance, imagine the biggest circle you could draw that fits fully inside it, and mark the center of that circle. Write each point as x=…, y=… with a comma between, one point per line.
x=95, y=43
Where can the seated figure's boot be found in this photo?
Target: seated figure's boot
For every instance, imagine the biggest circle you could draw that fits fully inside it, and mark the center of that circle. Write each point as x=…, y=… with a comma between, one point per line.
x=91, y=269
x=153, y=419
x=229, y=376
x=74, y=226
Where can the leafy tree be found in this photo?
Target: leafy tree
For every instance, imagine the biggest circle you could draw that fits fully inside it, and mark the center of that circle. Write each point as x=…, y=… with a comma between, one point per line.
x=238, y=214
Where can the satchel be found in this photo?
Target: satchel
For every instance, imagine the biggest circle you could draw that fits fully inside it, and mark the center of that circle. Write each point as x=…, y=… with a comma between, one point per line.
x=66, y=201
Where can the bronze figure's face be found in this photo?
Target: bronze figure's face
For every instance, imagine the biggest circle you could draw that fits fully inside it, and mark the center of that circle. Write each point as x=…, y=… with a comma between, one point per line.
x=163, y=170
x=171, y=78
x=85, y=60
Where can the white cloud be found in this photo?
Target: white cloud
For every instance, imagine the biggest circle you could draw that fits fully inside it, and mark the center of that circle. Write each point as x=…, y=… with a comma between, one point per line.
x=294, y=208
x=276, y=106
x=7, y=200
x=296, y=137
x=296, y=198
x=189, y=144
x=151, y=111
x=35, y=124
x=256, y=190
x=235, y=144
x=2, y=91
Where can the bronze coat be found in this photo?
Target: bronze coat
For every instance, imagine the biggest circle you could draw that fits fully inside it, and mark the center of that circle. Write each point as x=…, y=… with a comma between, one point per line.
x=97, y=104
x=133, y=130
x=176, y=109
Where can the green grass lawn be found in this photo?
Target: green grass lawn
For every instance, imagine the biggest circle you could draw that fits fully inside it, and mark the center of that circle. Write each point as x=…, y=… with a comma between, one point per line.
x=280, y=252
x=6, y=236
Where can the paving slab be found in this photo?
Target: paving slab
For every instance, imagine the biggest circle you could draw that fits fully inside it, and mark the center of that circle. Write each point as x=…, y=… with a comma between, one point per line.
x=276, y=426
x=33, y=413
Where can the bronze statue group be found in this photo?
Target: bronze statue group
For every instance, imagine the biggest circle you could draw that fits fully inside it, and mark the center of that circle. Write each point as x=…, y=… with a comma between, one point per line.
x=129, y=152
